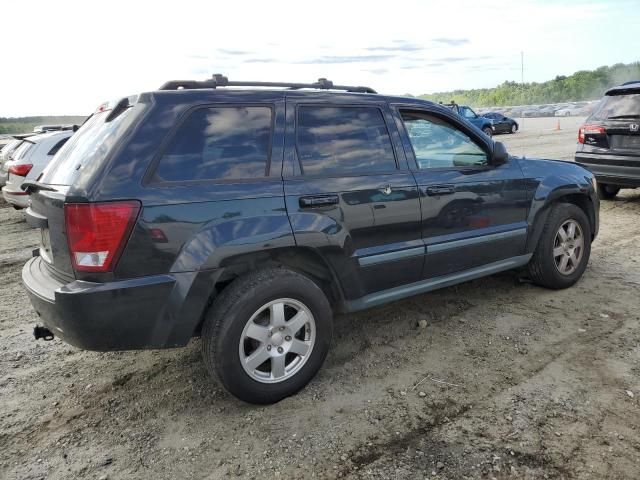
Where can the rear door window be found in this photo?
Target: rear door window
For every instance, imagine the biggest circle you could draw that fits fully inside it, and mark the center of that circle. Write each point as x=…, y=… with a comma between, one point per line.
x=219, y=143
x=341, y=140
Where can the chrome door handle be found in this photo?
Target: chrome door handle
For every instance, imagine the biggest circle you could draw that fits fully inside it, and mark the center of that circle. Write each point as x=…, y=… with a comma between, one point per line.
x=441, y=190
x=319, y=201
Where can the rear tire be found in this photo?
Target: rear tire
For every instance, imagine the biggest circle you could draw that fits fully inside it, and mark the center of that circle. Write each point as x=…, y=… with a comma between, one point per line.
x=561, y=258
x=273, y=314
x=607, y=192
x=488, y=131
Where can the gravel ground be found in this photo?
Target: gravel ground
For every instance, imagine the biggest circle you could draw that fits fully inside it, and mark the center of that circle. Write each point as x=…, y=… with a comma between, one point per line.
x=489, y=379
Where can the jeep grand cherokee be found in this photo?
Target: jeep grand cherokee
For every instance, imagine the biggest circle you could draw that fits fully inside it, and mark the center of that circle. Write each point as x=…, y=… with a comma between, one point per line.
x=249, y=215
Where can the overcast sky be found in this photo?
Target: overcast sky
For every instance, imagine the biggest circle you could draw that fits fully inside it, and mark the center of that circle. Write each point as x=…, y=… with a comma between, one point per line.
x=66, y=57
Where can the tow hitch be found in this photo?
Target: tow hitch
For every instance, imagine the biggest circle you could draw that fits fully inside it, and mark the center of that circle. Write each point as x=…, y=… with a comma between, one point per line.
x=42, y=332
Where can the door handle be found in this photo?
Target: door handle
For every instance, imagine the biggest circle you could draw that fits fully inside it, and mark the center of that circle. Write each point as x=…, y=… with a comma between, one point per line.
x=441, y=190
x=318, y=201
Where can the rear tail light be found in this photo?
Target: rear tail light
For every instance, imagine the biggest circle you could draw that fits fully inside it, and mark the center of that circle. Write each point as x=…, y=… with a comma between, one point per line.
x=21, y=170
x=98, y=232
x=590, y=130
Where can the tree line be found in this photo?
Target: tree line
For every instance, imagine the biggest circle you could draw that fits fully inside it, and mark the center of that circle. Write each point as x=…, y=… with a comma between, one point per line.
x=582, y=85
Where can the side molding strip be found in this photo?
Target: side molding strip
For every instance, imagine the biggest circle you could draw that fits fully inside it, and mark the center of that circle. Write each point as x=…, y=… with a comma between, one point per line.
x=403, y=291
x=387, y=257
x=465, y=242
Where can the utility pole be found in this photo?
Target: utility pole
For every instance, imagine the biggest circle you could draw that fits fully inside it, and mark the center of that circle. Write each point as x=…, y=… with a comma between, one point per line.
x=522, y=82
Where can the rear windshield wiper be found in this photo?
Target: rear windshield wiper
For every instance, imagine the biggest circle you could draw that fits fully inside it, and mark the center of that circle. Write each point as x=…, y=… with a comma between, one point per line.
x=32, y=186
x=623, y=116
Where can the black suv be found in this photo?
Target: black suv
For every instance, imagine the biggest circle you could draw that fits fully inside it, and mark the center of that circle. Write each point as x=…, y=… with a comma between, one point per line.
x=609, y=141
x=249, y=216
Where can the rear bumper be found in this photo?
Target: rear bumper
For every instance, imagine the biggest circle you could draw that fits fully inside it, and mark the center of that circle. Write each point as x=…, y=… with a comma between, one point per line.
x=159, y=311
x=19, y=198
x=623, y=171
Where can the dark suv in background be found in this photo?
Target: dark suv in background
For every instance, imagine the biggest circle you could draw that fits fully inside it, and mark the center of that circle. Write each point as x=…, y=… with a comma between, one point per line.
x=248, y=216
x=609, y=141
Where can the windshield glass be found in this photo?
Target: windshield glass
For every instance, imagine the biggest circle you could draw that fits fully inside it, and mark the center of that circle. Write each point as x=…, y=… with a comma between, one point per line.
x=88, y=147
x=613, y=106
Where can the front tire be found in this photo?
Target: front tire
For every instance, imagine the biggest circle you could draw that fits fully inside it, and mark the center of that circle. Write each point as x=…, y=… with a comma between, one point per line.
x=607, y=192
x=564, y=248
x=267, y=335
x=514, y=128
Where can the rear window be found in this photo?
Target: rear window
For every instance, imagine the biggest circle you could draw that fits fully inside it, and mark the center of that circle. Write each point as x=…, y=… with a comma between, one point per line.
x=87, y=148
x=618, y=106
x=9, y=146
x=218, y=143
x=21, y=151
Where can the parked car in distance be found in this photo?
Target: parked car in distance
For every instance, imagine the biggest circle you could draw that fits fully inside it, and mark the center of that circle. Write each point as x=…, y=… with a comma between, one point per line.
x=249, y=215
x=53, y=128
x=27, y=163
x=4, y=157
x=569, y=111
x=7, y=152
x=609, y=141
x=11, y=145
x=482, y=123
x=502, y=124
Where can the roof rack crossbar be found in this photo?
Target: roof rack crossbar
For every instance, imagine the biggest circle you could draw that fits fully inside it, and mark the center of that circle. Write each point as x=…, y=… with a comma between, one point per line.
x=221, y=81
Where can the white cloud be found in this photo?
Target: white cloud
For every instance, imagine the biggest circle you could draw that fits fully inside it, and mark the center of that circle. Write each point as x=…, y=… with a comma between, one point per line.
x=69, y=56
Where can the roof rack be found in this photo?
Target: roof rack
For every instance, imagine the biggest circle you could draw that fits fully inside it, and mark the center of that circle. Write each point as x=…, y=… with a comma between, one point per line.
x=218, y=80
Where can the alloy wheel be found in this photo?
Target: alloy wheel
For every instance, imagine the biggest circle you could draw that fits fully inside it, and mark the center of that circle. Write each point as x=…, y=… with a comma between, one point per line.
x=277, y=340
x=568, y=247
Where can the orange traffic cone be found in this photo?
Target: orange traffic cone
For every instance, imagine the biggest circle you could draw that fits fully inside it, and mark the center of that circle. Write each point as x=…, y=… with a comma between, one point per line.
x=558, y=125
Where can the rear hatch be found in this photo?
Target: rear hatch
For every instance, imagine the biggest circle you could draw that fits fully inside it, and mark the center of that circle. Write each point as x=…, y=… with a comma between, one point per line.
x=82, y=155
x=614, y=127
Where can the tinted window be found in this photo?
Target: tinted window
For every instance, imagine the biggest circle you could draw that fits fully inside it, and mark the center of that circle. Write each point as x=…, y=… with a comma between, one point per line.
x=343, y=140
x=57, y=146
x=438, y=144
x=87, y=148
x=612, y=106
x=218, y=143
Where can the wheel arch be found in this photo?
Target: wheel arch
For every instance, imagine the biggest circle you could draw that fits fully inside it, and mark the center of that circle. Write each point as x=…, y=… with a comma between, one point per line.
x=579, y=199
x=303, y=260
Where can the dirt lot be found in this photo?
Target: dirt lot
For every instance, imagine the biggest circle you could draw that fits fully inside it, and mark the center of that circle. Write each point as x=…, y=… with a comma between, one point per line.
x=507, y=380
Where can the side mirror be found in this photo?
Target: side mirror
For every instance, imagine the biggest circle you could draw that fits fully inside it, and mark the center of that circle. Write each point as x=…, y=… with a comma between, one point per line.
x=499, y=154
